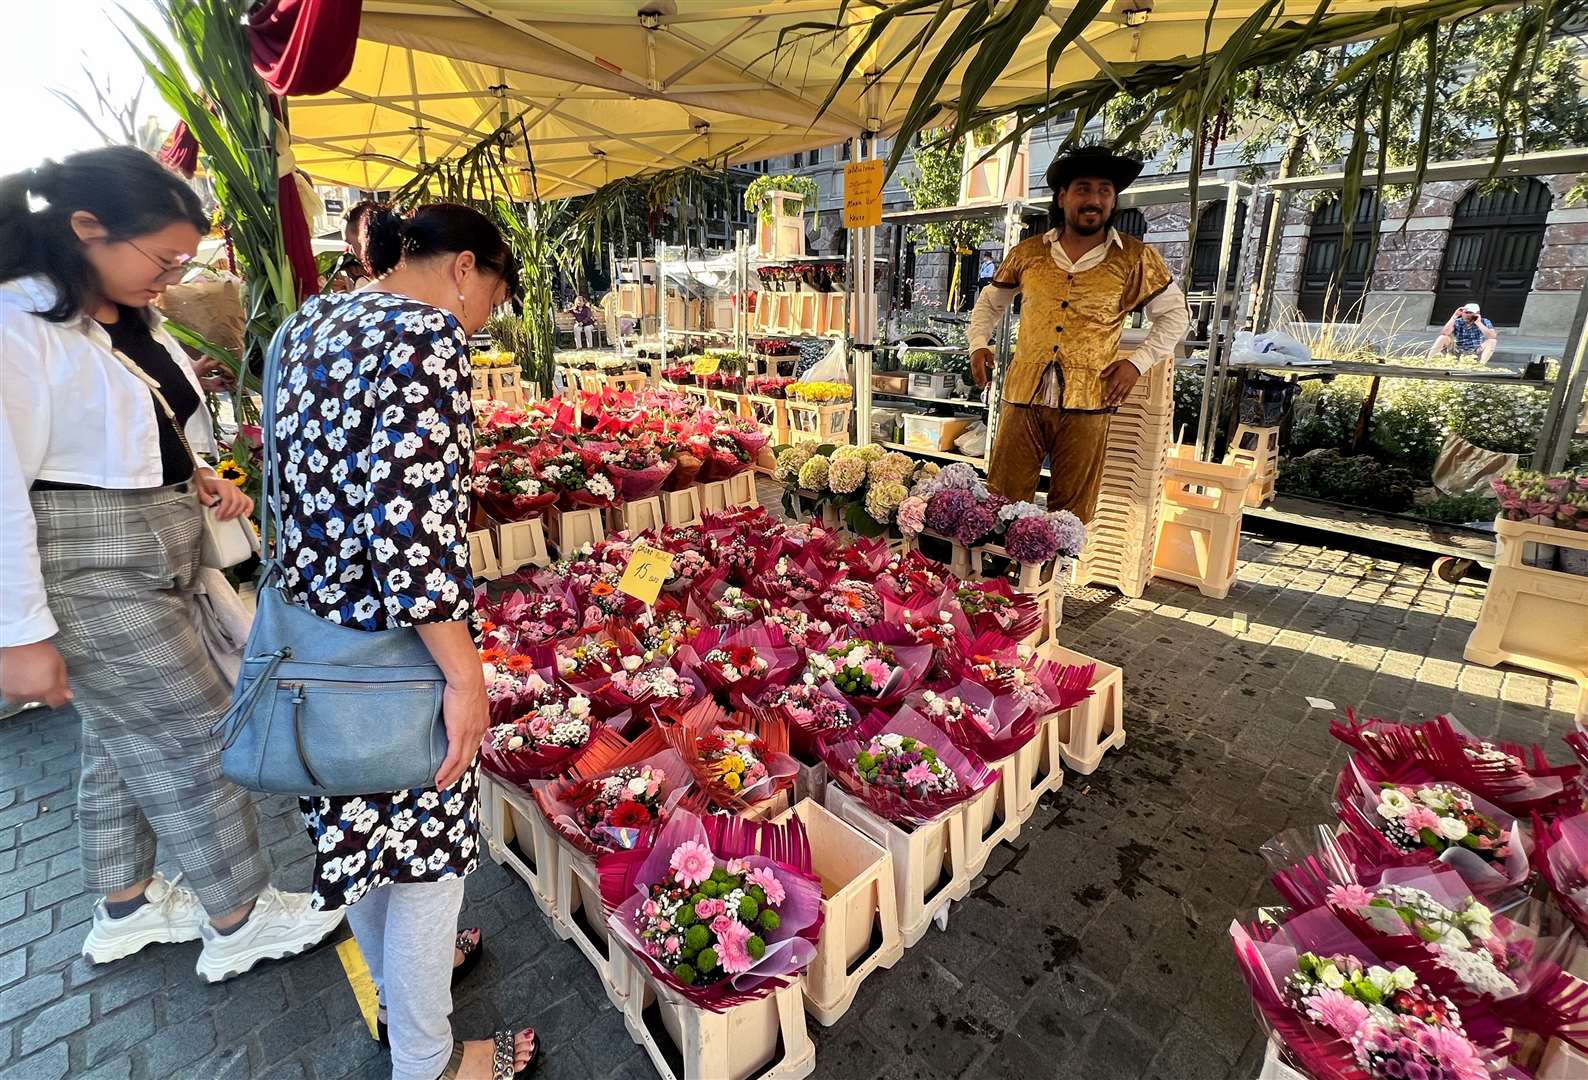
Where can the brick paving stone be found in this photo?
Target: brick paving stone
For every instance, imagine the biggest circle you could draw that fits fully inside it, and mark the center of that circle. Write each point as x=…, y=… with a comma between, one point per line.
x=50, y=1064
x=56, y=1022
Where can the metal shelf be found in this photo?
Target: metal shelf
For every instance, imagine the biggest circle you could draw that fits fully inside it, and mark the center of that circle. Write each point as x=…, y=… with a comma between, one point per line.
x=979, y=462
x=963, y=403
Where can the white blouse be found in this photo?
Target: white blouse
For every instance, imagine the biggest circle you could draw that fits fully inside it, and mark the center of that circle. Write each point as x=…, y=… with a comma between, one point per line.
x=71, y=413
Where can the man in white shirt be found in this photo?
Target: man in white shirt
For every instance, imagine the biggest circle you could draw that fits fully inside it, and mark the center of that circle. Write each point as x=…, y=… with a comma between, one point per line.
x=1079, y=282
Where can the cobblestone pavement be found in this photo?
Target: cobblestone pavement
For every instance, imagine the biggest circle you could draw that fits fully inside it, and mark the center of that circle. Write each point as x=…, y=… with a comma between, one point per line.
x=1096, y=947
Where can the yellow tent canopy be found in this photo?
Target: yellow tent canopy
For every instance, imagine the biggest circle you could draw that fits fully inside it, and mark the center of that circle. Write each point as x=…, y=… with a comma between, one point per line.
x=610, y=88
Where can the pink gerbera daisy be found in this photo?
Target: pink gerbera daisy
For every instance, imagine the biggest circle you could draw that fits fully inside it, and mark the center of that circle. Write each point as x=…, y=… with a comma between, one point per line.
x=692, y=862
x=1337, y=1012
x=769, y=883
x=1459, y=1058
x=1350, y=896
x=732, y=951
x=919, y=773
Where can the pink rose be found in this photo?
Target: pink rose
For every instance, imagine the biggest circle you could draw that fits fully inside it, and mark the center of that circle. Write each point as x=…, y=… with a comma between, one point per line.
x=671, y=944
x=722, y=924
x=538, y=727
x=649, y=908
x=707, y=909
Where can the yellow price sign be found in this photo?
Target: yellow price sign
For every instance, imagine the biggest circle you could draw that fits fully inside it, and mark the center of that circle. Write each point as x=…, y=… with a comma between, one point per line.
x=706, y=365
x=647, y=570
x=863, y=194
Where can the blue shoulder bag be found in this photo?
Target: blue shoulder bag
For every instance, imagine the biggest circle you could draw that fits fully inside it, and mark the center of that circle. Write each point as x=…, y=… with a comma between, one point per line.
x=323, y=709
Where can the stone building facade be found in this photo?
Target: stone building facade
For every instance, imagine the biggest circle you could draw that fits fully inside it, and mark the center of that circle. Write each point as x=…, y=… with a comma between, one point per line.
x=1412, y=266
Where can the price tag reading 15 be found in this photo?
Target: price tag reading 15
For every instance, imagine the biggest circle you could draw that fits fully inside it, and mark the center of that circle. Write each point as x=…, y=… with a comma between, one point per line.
x=647, y=570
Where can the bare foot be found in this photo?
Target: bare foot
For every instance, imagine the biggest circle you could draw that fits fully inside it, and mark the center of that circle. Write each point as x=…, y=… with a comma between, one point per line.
x=473, y=934
x=477, y=1055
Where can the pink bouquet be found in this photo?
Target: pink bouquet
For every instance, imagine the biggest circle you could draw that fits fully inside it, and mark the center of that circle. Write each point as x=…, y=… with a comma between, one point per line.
x=811, y=712
x=1042, y=686
x=988, y=725
x=509, y=485
x=852, y=601
x=903, y=768
x=616, y=795
x=874, y=668
x=721, y=910
x=1344, y=1012
x=638, y=470
x=994, y=607
x=1561, y=857
x=745, y=659
x=547, y=733
x=519, y=621
x=1515, y=778
x=1402, y=824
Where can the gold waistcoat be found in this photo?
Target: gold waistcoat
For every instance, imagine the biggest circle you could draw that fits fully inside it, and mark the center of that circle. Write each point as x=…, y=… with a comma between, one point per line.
x=1074, y=320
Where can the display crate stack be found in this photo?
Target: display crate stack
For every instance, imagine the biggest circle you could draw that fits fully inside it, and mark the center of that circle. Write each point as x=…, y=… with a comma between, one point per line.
x=1199, y=533
x=1123, y=533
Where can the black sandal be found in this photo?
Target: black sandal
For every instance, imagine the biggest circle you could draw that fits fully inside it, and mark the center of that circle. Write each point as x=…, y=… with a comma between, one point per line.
x=471, y=948
x=503, y=1054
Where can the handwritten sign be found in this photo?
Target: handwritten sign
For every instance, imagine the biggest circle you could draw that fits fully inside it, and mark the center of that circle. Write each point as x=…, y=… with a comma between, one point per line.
x=706, y=365
x=647, y=570
x=863, y=194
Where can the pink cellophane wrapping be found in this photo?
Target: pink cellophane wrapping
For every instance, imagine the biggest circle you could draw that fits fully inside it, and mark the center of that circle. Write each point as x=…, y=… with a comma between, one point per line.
x=839, y=754
x=783, y=849
x=1013, y=725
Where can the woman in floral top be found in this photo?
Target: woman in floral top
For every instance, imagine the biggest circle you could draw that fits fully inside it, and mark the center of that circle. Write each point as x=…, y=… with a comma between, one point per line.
x=375, y=428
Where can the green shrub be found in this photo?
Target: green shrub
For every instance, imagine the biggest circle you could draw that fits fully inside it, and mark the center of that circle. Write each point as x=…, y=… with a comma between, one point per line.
x=1358, y=480
x=1459, y=509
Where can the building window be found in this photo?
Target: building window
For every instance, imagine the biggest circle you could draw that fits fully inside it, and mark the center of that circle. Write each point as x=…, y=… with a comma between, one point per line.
x=1131, y=222
x=799, y=160
x=1210, y=237
x=1492, y=251
x=845, y=149
x=1324, y=295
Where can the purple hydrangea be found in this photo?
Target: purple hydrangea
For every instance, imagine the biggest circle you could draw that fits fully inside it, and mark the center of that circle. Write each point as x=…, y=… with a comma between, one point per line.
x=974, y=525
x=1032, y=540
x=944, y=509
x=1072, y=534
x=995, y=502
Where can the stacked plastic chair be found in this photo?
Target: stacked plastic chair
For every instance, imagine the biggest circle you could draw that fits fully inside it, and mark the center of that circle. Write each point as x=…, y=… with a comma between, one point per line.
x=1123, y=533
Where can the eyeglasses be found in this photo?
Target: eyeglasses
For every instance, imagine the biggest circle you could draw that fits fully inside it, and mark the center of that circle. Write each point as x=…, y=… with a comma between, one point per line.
x=169, y=273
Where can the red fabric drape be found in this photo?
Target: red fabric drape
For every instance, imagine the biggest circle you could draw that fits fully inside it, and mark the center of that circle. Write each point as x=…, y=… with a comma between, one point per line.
x=180, y=152
x=295, y=237
x=304, y=46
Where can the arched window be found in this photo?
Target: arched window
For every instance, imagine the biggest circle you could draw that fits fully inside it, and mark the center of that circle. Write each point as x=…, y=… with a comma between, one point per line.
x=1131, y=222
x=1323, y=295
x=1493, y=251
x=1210, y=235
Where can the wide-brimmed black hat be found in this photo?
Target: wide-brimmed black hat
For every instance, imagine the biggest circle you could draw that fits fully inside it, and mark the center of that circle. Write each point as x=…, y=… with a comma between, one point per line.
x=1095, y=161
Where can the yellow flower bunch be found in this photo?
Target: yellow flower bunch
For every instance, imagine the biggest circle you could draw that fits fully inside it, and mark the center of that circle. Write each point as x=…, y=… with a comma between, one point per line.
x=493, y=359
x=820, y=391
x=230, y=470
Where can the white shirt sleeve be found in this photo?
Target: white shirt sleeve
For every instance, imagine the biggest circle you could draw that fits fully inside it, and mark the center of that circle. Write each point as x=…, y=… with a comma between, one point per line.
x=991, y=303
x=24, y=437
x=1170, y=319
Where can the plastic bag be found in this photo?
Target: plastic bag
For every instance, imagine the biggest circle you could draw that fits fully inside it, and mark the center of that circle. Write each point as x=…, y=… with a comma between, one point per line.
x=972, y=442
x=834, y=367
x=1271, y=347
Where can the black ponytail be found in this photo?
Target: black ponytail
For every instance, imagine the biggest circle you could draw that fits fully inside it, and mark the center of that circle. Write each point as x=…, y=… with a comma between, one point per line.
x=127, y=190
x=436, y=229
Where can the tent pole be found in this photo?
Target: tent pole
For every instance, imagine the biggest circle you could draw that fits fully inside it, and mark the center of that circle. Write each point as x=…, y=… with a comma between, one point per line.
x=1565, y=404
x=1278, y=210
x=1207, y=423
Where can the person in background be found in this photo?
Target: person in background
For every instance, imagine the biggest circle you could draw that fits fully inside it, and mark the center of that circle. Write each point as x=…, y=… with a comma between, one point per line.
x=584, y=323
x=374, y=432
x=99, y=415
x=986, y=269
x=1079, y=280
x=351, y=270
x=1467, y=333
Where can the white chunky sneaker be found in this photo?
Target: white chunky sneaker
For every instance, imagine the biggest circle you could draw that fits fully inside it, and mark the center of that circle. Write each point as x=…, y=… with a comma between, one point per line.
x=173, y=913
x=281, y=925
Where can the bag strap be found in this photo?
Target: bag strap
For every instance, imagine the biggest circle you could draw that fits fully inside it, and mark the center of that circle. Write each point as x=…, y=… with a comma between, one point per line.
x=269, y=483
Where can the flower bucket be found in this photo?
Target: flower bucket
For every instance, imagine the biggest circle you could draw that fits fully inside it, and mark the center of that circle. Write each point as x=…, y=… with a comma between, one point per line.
x=1534, y=617
x=929, y=861
x=1088, y=730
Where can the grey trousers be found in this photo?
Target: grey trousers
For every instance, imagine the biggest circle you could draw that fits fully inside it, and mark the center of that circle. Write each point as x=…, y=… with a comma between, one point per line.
x=406, y=932
x=118, y=571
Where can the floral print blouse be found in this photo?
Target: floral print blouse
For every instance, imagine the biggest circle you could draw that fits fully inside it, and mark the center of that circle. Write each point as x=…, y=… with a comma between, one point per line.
x=374, y=430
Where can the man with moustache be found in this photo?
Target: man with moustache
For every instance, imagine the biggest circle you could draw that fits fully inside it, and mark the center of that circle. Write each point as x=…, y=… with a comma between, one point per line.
x=1079, y=281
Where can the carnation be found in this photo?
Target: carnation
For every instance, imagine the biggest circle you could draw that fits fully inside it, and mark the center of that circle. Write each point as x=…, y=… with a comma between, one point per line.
x=1032, y=540
x=846, y=474
x=946, y=507
x=912, y=515
x=883, y=498
x=813, y=474
x=975, y=524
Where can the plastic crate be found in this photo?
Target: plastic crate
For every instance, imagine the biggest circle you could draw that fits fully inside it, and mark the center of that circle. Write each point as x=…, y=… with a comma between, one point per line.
x=923, y=432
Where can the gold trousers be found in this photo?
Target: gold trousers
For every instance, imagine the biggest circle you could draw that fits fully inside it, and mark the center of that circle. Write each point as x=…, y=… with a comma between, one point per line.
x=1072, y=443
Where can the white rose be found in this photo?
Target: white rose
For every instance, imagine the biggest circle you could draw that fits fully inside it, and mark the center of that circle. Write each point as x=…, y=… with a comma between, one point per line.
x=1331, y=977
x=1452, y=828
x=515, y=742
x=892, y=740
x=1393, y=803
x=1432, y=798
x=1404, y=978
x=579, y=707
x=631, y=663
x=637, y=785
